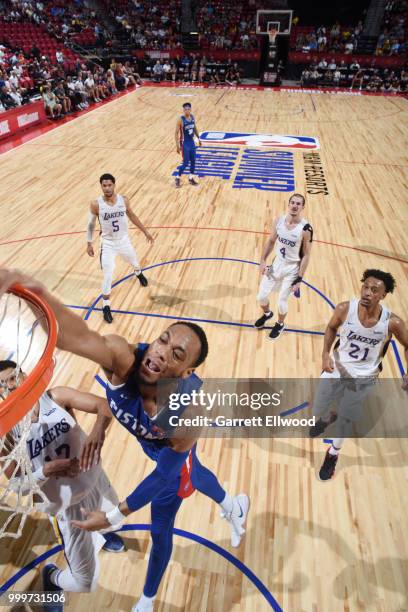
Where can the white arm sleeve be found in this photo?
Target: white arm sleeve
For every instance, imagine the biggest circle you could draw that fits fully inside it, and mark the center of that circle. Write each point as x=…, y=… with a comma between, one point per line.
x=91, y=227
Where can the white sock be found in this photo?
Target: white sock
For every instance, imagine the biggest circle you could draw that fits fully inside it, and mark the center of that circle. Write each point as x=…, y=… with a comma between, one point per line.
x=268, y=314
x=333, y=451
x=105, y=302
x=191, y=176
x=226, y=503
x=145, y=601
x=138, y=272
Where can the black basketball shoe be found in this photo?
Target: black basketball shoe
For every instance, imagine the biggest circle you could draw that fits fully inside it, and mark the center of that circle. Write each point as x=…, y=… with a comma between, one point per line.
x=142, y=279
x=328, y=468
x=321, y=425
x=107, y=315
x=177, y=181
x=277, y=329
x=260, y=323
x=192, y=181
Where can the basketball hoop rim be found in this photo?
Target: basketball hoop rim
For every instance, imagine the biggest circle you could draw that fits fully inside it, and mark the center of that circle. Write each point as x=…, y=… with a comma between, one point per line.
x=18, y=403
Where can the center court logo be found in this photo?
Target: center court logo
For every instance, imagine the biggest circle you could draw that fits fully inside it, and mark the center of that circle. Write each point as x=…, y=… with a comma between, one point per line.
x=263, y=170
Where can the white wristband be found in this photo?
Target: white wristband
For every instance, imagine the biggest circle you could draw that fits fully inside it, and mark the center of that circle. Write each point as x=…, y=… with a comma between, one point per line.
x=115, y=516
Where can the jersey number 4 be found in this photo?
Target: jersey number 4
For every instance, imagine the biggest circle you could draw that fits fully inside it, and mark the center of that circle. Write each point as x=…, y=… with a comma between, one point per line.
x=356, y=352
x=62, y=451
x=282, y=251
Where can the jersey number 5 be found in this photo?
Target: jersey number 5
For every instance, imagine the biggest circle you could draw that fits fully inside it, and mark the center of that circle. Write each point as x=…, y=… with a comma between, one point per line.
x=115, y=225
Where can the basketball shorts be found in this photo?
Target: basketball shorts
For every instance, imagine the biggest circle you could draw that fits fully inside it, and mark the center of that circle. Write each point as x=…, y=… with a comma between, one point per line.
x=348, y=393
x=278, y=278
x=123, y=247
x=81, y=548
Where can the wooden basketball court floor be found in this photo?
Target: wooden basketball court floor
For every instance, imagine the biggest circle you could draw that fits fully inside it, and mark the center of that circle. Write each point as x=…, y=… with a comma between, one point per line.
x=339, y=546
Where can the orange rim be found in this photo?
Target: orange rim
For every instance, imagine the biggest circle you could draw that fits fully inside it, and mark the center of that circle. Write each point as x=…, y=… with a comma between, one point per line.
x=18, y=403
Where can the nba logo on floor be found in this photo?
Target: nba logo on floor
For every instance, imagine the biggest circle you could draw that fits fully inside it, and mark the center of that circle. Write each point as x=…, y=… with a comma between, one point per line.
x=261, y=140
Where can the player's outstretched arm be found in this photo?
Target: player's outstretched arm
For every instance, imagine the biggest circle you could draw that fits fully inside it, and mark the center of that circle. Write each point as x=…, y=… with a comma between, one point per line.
x=168, y=468
x=398, y=328
x=337, y=319
x=112, y=352
x=136, y=221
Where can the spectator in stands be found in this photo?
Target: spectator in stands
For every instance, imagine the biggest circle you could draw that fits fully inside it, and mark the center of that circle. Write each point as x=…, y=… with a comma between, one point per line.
x=62, y=98
x=314, y=76
x=91, y=88
x=357, y=79
x=349, y=47
x=52, y=107
x=201, y=72
x=215, y=77
x=74, y=96
x=110, y=79
x=167, y=70
x=354, y=65
x=16, y=95
x=336, y=77
x=305, y=77
x=322, y=64
x=132, y=73
x=157, y=72
x=173, y=72
x=59, y=56
x=81, y=91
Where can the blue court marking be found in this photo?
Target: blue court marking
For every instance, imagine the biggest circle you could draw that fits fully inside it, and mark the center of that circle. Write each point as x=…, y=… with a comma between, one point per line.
x=398, y=357
x=195, y=319
x=180, y=532
x=295, y=409
x=165, y=263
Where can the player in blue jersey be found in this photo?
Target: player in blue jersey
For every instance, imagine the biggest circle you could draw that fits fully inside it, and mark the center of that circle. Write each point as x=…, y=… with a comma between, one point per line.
x=134, y=372
x=186, y=129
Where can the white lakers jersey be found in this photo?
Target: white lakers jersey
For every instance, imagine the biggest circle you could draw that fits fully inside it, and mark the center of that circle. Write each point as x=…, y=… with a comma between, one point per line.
x=361, y=349
x=56, y=435
x=289, y=241
x=113, y=218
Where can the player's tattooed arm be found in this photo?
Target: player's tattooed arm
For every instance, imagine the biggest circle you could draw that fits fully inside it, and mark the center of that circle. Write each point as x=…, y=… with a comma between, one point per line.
x=398, y=328
x=268, y=248
x=177, y=135
x=136, y=221
x=93, y=215
x=337, y=319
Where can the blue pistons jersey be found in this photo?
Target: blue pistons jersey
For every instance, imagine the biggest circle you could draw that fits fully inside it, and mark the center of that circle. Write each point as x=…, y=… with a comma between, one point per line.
x=187, y=131
x=126, y=405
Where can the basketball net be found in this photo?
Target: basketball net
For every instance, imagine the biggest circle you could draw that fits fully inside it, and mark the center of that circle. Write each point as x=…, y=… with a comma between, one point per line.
x=25, y=342
x=272, y=33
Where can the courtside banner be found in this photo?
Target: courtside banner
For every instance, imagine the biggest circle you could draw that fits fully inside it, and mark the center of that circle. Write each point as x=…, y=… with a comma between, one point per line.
x=282, y=408
x=261, y=140
x=19, y=119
